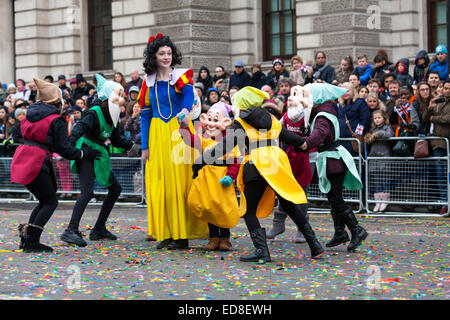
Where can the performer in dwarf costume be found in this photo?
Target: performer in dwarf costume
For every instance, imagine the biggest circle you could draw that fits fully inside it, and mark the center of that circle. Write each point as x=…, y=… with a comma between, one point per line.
x=44, y=131
x=294, y=121
x=265, y=172
x=335, y=165
x=98, y=125
x=220, y=207
x=168, y=176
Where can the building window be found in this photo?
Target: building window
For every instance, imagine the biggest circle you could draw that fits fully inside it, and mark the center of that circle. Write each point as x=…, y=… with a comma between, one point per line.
x=100, y=34
x=437, y=24
x=279, y=28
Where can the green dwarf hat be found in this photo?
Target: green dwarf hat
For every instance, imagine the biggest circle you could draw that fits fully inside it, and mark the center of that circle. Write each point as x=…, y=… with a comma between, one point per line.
x=105, y=87
x=323, y=92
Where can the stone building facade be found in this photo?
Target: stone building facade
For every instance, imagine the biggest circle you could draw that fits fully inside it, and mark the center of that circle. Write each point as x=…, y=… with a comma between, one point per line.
x=42, y=37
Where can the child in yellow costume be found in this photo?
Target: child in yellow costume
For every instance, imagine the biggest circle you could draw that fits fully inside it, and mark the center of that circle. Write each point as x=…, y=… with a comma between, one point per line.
x=212, y=196
x=266, y=171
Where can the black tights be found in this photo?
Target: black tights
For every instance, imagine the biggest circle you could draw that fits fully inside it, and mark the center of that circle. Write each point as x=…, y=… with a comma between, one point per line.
x=253, y=193
x=217, y=232
x=43, y=189
x=87, y=176
x=335, y=197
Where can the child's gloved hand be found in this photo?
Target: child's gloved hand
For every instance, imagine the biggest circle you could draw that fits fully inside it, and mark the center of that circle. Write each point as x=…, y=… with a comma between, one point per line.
x=183, y=118
x=226, y=181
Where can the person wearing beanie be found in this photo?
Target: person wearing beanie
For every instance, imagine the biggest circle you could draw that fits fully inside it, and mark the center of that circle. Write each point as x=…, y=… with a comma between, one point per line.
x=83, y=88
x=15, y=131
x=44, y=132
x=204, y=76
x=441, y=63
x=278, y=72
x=99, y=124
x=265, y=171
x=220, y=209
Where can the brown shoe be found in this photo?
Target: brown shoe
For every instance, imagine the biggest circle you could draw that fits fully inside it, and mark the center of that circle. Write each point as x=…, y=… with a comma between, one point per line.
x=212, y=245
x=224, y=244
x=149, y=237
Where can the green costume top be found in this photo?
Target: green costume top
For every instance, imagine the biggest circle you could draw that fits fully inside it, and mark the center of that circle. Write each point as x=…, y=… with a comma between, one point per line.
x=352, y=180
x=102, y=166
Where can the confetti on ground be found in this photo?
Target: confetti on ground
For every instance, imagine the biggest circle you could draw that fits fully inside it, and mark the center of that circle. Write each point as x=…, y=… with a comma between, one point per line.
x=403, y=258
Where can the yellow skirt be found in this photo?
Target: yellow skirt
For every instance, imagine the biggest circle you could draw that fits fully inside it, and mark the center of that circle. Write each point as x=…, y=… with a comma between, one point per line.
x=210, y=201
x=168, y=179
x=273, y=165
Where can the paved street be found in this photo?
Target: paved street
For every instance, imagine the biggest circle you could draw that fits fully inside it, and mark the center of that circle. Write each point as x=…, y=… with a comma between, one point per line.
x=409, y=258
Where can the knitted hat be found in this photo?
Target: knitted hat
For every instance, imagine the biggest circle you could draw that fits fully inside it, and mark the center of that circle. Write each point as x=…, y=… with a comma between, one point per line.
x=73, y=80
x=133, y=89
x=18, y=112
x=277, y=60
x=441, y=49
x=48, y=92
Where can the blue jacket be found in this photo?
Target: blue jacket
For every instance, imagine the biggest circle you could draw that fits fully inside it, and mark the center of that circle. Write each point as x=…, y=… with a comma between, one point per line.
x=357, y=112
x=442, y=68
x=364, y=74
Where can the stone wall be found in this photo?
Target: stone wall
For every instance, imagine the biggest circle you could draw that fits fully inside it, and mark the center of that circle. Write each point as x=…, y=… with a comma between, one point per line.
x=46, y=41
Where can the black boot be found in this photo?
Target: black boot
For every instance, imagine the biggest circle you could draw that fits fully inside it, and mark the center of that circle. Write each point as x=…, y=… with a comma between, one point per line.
x=359, y=234
x=163, y=244
x=340, y=235
x=179, y=244
x=30, y=235
x=313, y=243
x=101, y=234
x=73, y=237
x=261, y=249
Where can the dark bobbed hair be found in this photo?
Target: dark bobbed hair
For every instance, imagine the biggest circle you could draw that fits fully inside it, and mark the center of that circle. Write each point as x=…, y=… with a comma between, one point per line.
x=150, y=64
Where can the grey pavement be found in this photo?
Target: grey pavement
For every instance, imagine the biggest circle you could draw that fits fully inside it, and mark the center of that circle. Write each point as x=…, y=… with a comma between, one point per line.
x=403, y=258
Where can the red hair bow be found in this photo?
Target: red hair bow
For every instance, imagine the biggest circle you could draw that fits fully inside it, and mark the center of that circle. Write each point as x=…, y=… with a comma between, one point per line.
x=159, y=35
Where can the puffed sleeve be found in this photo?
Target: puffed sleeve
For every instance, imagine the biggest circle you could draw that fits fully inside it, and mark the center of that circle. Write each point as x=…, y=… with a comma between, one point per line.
x=146, y=114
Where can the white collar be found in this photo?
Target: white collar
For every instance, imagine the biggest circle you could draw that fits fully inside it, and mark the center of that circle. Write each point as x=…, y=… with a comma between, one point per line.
x=174, y=76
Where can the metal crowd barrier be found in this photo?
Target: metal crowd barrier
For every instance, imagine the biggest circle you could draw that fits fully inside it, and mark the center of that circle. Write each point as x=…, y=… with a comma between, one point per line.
x=410, y=182
x=356, y=197
x=128, y=172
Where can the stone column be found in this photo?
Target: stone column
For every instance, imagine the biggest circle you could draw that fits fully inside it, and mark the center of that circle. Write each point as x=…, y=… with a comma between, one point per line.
x=7, y=65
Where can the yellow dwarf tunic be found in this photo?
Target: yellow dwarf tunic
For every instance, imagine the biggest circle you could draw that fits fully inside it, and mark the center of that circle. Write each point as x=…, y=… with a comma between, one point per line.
x=208, y=199
x=273, y=165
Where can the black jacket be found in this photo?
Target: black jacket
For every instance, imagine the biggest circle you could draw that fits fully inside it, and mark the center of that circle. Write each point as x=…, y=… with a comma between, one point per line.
x=90, y=125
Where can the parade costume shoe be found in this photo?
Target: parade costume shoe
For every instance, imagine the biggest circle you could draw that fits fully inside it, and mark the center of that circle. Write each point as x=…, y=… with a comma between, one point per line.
x=340, y=235
x=278, y=225
x=163, y=244
x=179, y=244
x=359, y=234
x=261, y=249
x=101, y=234
x=30, y=235
x=224, y=244
x=212, y=245
x=73, y=237
x=313, y=243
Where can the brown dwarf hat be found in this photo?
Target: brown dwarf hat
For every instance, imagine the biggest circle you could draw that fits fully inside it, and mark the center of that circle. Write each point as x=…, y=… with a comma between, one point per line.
x=48, y=92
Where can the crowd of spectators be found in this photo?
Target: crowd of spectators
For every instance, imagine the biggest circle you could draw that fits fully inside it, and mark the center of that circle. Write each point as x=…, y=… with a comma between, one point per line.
x=413, y=104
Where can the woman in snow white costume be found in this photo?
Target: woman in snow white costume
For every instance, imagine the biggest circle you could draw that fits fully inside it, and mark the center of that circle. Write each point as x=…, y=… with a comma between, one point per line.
x=168, y=175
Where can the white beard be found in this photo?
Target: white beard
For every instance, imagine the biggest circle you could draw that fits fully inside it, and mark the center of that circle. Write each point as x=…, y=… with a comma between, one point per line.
x=308, y=110
x=114, y=112
x=295, y=114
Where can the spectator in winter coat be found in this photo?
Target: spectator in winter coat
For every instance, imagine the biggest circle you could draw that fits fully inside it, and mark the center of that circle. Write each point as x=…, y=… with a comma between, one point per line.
x=439, y=115
x=402, y=72
x=357, y=112
x=422, y=64
x=344, y=71
x=221, y=79
x=135, y=81
x=258, y=77
x=22, y=91
x=321, y=72
x=240, y=78
x=277, y=73
x=204, y=77
x=298, y=71
x=83, y=88
x=364, y=70
x=382, y=65
x=441, y=63
x=420, y=107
